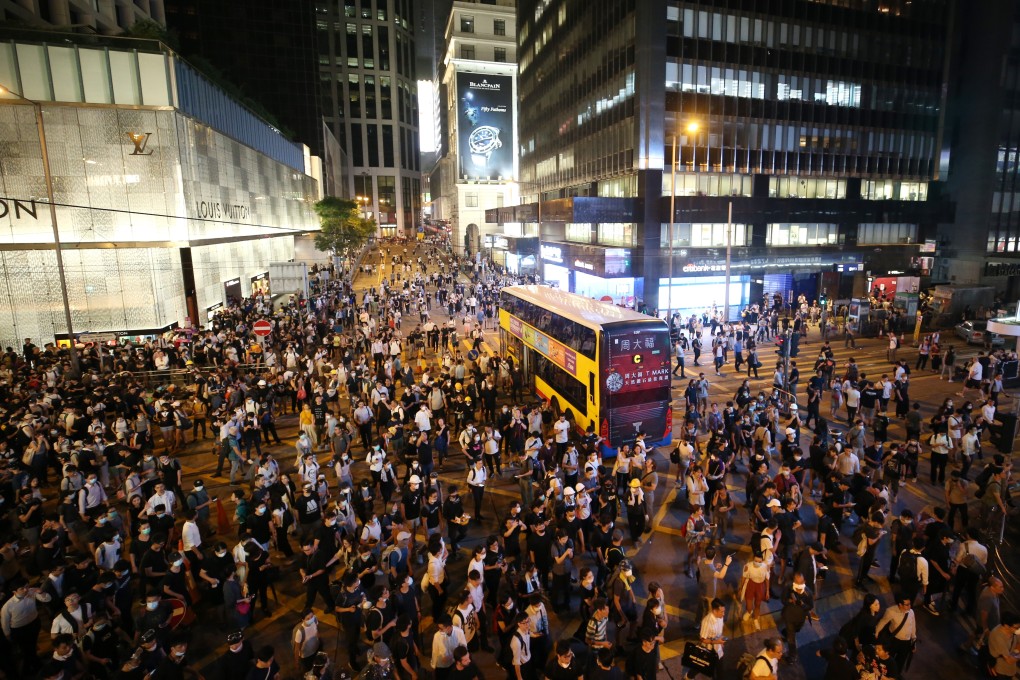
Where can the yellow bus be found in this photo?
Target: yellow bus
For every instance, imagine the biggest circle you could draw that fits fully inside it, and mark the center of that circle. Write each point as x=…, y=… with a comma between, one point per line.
x=594, y=361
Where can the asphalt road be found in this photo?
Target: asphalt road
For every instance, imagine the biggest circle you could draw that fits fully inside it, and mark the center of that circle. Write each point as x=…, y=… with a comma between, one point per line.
x=657, y=558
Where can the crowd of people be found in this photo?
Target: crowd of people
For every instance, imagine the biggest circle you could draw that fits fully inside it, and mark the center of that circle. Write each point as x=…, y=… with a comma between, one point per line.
x=392, y=385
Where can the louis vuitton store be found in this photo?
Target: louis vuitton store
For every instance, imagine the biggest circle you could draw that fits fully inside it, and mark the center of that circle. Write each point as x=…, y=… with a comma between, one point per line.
x=164, y=189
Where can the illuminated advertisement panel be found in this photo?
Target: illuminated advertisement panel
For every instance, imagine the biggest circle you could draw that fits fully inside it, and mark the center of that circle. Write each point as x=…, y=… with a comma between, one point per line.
x=485, y=125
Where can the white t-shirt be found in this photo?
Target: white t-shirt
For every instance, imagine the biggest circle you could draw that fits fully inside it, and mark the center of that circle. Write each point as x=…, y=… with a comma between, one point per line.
x=562, y=429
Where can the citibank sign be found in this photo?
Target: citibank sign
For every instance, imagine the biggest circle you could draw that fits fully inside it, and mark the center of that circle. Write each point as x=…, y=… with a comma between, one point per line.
x=552, y=253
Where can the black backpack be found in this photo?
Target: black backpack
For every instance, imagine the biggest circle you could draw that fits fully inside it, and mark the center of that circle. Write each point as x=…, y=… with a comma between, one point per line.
x=982, y=480
x=756, y=544
x=906, y=570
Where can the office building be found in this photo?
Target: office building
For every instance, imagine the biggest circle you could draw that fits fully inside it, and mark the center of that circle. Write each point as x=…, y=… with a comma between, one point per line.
x=983, y=141
x=266, y=49
x=818, y=122
x=370, y=102
x=109, y=17
x=477, y=97
x=170, y=198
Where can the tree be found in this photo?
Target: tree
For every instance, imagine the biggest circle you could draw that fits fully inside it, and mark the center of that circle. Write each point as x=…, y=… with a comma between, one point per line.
x=344, y=230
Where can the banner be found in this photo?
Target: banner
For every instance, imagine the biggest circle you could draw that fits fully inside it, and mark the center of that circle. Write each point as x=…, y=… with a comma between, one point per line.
x=485, y=133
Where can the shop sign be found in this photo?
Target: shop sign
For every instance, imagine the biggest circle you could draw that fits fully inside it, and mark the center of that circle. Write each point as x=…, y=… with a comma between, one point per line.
x=1002, y=268
x=768, y=262
x=232, y=282
x=260, y=277
x=141, y=142
x=552, y=253
x=214, y=210
x=850, y=267
x=579, y=264
x=19, y=207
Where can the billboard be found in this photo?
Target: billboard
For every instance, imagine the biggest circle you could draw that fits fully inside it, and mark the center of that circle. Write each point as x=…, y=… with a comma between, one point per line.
x=485, y=131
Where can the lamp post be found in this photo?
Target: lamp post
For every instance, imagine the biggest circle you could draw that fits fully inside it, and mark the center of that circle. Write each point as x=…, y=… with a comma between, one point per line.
x=41, y=128
x=729, y=251
x=692, y=128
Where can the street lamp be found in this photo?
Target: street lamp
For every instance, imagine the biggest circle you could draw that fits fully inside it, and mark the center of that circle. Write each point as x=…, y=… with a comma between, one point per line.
x=692, y=128
x=41, y=128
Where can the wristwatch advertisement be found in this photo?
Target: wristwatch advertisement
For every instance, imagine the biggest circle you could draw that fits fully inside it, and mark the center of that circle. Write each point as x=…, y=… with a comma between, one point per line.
x=485, y=123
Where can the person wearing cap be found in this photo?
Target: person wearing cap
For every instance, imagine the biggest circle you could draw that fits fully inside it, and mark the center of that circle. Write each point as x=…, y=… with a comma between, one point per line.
x=236, y=662
x=634, y=500
x=174, y=665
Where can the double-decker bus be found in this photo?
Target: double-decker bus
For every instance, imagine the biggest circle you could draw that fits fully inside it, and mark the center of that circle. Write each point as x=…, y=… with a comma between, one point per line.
x=594, y=361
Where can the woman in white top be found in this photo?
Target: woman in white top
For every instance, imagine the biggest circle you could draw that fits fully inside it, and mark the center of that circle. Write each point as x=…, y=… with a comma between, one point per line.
x=697, y=487
x=754, y=588
x=435, y=575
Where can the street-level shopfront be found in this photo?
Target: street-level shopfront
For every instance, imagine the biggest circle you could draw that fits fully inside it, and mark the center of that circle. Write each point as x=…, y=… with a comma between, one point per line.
x=593, y=271
x=518, y=254
x=699, y=282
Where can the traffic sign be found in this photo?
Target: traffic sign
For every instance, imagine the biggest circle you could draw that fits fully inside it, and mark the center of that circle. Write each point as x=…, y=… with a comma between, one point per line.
x=262, y=328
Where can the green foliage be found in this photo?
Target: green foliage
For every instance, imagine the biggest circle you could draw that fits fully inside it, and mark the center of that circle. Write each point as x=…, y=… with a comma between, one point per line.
x=344, y=230
x=152, y=30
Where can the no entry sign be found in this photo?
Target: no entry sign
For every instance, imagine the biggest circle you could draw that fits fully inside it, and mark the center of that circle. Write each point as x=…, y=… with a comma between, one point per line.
x=262, y=328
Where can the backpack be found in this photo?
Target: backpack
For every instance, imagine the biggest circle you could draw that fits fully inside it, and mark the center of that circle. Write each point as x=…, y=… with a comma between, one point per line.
x=756, y=544
x=906, y=570
x=746, y=664
x=982, y=480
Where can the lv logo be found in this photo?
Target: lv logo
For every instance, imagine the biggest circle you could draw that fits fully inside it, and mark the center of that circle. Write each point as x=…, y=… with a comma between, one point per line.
x=140, y=140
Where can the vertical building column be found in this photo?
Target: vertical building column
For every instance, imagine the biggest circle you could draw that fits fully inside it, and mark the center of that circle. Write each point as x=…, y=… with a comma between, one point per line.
x=654, y=258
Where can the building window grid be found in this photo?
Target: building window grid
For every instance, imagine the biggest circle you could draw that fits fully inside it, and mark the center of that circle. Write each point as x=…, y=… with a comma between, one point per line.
x=704, y=235
x=616, y=234
x=578, y=232
x=886, y=233
x=785, y=234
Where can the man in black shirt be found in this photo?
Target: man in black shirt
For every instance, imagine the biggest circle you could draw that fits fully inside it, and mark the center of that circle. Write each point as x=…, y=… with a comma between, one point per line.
x=463, y=667
x=349, y=610
x=563, y=665
x=309, y=512
x=315, y=574
x=453, y=512
x=235, y=663
x=643, y=662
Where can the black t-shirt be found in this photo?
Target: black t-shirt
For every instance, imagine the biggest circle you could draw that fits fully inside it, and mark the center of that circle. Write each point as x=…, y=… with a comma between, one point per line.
x=308, y=508
x=432, y=514
x=403, y=648
x=540, y=545
x=469, y=672
x=412, y=504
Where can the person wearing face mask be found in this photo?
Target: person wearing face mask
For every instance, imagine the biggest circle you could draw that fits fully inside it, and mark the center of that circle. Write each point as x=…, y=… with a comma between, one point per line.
x=174, y=665
x=798, y=602
x=152, y=566
x=235, y=663
x=305, y=639
x=349, y=610
x=99, y=647
x=447, y=639
x=92, y=500
x=174, y=584
x=155, y=616
x=261, y=525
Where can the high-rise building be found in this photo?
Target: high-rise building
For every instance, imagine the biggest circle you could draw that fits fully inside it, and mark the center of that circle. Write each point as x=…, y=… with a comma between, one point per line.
x=109, y=17
x=370, y=102
x=815, y=125
x=266, y=49
x=982, y=147
x=477, y=95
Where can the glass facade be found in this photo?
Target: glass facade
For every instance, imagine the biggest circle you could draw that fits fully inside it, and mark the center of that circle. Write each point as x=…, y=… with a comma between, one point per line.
x=789, y=113
x=134, y=181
